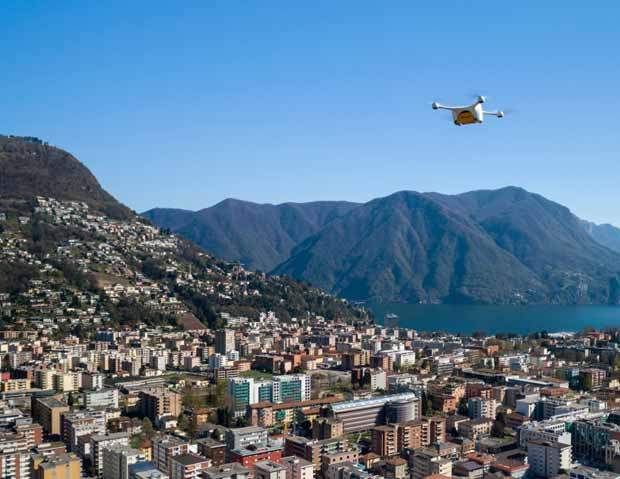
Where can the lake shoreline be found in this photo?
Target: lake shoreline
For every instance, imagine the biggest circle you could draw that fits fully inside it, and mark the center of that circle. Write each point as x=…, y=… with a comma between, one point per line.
x=493, y=319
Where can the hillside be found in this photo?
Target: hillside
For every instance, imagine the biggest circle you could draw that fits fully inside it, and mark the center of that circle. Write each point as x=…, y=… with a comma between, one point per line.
x=499, y=246
x=407, y=247
x=260, y=236
x=65, y=262
x=29, y=167
x=547, y=238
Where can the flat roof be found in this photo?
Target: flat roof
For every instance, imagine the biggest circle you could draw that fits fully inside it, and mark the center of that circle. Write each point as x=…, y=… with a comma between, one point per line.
x=372, y=401
x=189, y=459
x=270, y=466
x=256, y=450
x=225, y=470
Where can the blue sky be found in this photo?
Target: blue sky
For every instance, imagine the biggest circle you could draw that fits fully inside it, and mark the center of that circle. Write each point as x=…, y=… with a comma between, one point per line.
x=183, y=104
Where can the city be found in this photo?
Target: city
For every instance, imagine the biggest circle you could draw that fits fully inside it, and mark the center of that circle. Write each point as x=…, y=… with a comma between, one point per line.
x=301, y=399
x=274, y=260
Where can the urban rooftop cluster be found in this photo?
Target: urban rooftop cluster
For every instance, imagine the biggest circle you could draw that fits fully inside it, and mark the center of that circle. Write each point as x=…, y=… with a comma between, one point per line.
x=107, y=372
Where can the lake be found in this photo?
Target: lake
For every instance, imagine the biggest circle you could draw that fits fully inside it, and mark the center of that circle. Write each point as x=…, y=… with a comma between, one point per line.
x=498, y=319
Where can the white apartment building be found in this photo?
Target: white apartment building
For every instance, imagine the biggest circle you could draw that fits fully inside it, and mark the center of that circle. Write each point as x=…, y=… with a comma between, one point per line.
x=545, y=431
x=547, y=459
x=298, y=468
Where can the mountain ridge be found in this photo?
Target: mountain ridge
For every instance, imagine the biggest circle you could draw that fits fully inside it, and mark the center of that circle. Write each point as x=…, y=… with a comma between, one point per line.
x=258, y=235
x=444, y=248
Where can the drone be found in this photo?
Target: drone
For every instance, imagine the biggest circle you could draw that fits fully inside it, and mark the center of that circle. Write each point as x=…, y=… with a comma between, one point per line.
x=468, y=115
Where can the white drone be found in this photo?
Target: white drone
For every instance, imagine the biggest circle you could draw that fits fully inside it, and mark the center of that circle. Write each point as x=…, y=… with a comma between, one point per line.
x=467, y=115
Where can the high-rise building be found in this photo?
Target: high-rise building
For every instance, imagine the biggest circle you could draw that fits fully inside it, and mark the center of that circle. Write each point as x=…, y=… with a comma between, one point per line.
x=291, y=388
x=104, y=398
x=242, y=437
x=44, y=378
x=224, y=341
x=11, y=385
x=327, y=460
x=158, y=402
x=312, y=450
x=326, y=428
x=232, y=470
x=47, y=411
x=145, y=470
x=550, y=431
x=14, y=456
x=547, y=459
x=58, y=466
x=67, y=382
x=427, y=462
x=217, y=361
x=25, y=428
x=242, y=392
x=409, y=435
x=166, y=447
x=364, y=414
x=92, y=380
x=99, y=443
x=212, y=449
x=479, y=408
x=80, y=423
x=385, y=440
x=269, y=470
x=188, y=466
x=592, y=441
x=117, y=459
x=298, y=468
x=591, y=378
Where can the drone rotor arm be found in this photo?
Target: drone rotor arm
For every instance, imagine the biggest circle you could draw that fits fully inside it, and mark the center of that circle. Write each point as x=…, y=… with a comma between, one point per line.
x=437, y=106
x=498, y=114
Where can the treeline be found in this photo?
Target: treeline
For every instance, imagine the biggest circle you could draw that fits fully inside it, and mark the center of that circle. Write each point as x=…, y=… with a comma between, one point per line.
x=15, y=277
x=131, y=313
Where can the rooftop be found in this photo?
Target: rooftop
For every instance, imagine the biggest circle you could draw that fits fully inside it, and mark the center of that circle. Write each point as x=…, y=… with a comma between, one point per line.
x=225, y=470
x=189, y=459
x=270, y=466
x=252, y=450
x=52, y=402
x=295, y=460
x=372, y=402
x=53, y=460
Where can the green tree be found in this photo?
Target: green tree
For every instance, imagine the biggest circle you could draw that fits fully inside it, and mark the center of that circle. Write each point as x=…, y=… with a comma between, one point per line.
x=183, y=423
x=148, y=431
x=617, y=362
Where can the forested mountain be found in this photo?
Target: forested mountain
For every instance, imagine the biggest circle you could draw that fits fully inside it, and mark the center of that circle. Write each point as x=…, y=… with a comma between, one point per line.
x=260, y=236
x=488, y=246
